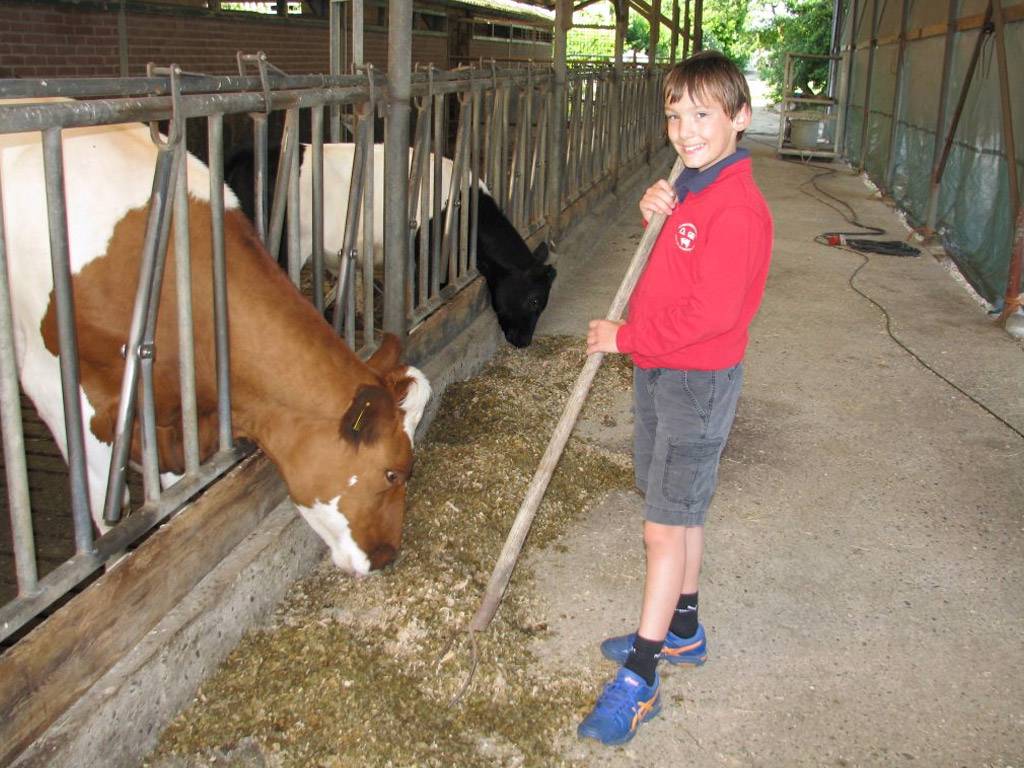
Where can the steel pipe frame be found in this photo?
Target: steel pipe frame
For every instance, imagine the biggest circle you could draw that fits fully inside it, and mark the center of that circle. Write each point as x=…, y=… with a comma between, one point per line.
x=15, y=465
x=137, y=379
x=866, y=114
x=56, y=207
x=848, y=81
x=898, y=92
x=940, y=117
x=396, y=162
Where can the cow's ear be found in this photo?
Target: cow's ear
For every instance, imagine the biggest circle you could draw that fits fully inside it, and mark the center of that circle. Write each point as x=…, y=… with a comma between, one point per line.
x=385, y=358
x=540, y=253
x=411, y=391
x=369, y=409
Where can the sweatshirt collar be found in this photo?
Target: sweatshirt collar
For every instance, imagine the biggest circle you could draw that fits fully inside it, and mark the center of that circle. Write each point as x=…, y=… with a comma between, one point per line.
x=694, y=180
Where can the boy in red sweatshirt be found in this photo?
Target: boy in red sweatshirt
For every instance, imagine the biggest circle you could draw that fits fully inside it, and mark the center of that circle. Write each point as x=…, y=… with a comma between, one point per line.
x=686, y=332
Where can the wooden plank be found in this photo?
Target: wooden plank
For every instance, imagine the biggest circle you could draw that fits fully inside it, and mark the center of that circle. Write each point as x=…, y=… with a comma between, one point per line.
x=50, y=668
x=963, y=24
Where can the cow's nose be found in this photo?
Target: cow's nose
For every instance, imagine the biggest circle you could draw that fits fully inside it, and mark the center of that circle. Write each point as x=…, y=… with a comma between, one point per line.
x=518, y=338
x=381, y=556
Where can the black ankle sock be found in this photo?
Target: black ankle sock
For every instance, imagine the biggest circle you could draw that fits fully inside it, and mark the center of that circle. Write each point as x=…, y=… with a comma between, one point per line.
x=684, y=620
x=643, y=659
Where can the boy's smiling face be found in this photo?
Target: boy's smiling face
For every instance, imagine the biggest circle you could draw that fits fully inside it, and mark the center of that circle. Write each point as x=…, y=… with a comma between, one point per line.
x=701, y=131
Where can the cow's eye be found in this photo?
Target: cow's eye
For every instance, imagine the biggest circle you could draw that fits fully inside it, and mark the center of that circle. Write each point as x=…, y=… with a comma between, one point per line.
x=534, y=302
x=391, y=475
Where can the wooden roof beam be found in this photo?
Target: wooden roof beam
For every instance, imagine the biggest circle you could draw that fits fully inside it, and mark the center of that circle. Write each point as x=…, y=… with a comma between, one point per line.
x=646, y=11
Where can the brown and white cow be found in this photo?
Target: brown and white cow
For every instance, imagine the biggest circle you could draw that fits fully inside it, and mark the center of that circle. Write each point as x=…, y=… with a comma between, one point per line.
x=339, y=430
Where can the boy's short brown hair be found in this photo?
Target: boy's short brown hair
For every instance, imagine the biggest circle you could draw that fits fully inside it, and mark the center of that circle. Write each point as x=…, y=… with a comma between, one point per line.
x=709, y=75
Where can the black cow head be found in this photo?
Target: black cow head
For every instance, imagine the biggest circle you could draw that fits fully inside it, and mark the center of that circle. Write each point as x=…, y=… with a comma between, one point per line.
x=518, y=298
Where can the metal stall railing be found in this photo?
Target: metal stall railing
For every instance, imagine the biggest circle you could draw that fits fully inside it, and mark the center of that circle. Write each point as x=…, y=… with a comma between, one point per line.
x=473, y=126
x=188, y=99
x=479, y=125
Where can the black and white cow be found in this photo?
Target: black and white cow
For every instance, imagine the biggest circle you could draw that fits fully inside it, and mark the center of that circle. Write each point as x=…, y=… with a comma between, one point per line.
x=518, y=279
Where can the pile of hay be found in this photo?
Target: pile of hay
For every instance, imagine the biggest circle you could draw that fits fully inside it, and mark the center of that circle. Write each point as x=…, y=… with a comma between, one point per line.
x=363, y=673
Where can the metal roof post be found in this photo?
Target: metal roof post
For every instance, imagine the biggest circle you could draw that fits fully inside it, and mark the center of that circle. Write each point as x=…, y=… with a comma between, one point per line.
x=556, y=162
x=396, y=163
x=897, y=96
x=615, y=108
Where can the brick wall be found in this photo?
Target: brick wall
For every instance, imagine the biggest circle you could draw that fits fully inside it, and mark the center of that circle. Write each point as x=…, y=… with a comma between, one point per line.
x=42, y=39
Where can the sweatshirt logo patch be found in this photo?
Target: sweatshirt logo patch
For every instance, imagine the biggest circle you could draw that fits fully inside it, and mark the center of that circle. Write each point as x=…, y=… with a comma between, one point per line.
x=686, y=236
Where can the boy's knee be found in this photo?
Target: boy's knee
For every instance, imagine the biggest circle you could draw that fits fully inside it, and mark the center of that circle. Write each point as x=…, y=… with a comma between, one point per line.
x=662, y=537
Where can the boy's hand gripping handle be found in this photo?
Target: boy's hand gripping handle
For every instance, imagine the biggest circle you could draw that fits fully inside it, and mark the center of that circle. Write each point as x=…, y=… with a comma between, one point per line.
x=524, y=518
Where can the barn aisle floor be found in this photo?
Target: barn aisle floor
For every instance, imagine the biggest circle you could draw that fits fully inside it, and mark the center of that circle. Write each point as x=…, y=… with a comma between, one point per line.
x=863, y=586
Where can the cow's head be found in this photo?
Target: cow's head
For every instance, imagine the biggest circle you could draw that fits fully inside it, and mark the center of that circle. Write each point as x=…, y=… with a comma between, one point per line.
x=347, y=474
x=519, y=298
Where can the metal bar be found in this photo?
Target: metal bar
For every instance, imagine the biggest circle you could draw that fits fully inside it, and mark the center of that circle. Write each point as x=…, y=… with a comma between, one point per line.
x=259, y=134
x=686, y=31
x=220, y=281
x=518, y=169
x=556, y=162
x=448, y=251
x=872, y=45
x=15, y=467
x=465, y=117
x=22, y=118
x=355, y=191
x=230, y=93
x=336, y=62
x=897, y=96
x=133, y=352
x=474, y=169
x=843, y=123
x=396, y=164
x=317, y=127
x=416, y=277
x=56, y=207
x=940, y=116
x=293, y=213
x=618, y=85
x=1011, y=296
x=147, y=350
x=437, y=233
x=281, y=182
x=504, y=167
x=122, y=39
x=369, y=246
x=358, y=24
x=186, y=342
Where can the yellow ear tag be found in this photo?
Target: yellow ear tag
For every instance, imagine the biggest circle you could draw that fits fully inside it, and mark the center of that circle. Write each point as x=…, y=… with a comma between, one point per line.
x=359, y=418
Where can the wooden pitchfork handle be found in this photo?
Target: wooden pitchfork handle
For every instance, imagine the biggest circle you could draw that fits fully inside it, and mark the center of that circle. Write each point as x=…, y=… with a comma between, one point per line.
x=535, y=493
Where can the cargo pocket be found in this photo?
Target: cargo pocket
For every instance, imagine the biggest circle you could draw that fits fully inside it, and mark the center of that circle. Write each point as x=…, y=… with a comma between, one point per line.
x=690, y=470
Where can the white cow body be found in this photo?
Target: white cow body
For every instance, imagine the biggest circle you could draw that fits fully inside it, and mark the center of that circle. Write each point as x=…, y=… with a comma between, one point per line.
x=108, y=171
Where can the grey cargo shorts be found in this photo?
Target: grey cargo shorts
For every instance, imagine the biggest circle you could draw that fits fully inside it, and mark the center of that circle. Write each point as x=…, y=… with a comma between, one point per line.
x=681, y=422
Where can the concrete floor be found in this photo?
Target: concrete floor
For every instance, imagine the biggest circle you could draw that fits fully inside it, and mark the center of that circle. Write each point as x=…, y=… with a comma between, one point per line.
x=863, y=587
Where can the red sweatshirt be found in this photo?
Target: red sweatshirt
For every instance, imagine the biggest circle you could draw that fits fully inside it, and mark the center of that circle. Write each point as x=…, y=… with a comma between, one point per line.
x=704, y=279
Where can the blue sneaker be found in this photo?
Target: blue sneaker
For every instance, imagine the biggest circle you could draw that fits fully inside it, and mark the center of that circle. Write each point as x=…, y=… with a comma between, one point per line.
x=624, y=703
x=677, y=650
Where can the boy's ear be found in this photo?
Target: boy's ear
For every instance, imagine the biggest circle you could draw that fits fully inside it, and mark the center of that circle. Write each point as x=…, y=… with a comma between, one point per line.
x=741, y=121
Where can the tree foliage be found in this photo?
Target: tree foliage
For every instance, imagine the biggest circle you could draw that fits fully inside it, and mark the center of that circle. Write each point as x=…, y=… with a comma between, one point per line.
x=725, y=29
x=800, y=26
